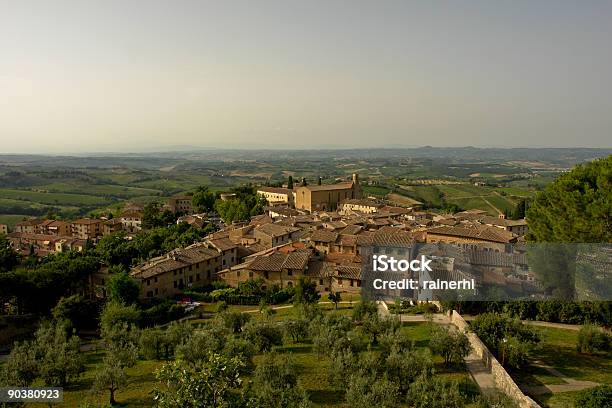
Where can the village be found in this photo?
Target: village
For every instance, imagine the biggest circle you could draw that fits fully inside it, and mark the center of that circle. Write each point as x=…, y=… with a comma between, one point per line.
x=316, y=231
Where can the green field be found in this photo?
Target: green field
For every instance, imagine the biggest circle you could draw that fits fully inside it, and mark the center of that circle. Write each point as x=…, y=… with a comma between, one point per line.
x=50, y=198
x=468, y=196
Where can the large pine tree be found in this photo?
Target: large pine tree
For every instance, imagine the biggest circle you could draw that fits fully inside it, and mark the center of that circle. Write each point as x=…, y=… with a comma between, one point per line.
x=576, y=207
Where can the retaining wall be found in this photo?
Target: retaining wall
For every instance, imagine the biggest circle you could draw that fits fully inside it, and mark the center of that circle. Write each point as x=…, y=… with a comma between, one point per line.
x=502, y=379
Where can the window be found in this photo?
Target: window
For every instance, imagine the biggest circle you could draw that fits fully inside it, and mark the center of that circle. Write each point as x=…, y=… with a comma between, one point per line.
x=290, y=284
x=339, y=281
x=148, y=282
x=224, y=262
x=250, y=274
x=174, y=272
x=320, y=281
x=190, y=268
x=156, y=291
x=289, y=272
x=197, y=276
x=266, y=275
x=191, y=280
x=358, y=283
x=175, y=285
x=351, y=282
x=237, y=274
x=155, y=279
x=208, y=274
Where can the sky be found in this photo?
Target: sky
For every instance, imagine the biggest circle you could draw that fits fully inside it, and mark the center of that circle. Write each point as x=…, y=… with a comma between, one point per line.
x=113, y=76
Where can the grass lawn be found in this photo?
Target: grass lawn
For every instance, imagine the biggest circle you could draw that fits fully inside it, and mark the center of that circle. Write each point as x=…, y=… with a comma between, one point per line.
x=562, y=400
x=559, y=351
x=137, y=392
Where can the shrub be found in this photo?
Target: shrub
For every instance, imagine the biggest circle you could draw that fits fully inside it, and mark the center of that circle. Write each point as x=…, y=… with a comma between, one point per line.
x=592, y=338
x=598, y=397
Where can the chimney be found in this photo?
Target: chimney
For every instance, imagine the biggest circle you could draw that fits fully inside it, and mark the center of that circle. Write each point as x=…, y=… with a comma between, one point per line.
x=502, y=216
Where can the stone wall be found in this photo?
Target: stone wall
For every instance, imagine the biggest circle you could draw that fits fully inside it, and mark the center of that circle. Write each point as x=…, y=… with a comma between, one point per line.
x=502, y=379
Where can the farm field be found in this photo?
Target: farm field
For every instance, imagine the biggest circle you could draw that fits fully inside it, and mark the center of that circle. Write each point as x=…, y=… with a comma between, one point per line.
x=71, y=187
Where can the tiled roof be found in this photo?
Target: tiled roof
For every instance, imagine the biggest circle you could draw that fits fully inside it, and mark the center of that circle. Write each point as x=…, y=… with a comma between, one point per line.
x=320, y=269
x=348, y=271
x=323, y=235
x=328, y=187
x=175, y=259
x=484, y=233
x=275, y=230
x=278, y=261
x=351, y=230
x=87, y=221
x=222, y=244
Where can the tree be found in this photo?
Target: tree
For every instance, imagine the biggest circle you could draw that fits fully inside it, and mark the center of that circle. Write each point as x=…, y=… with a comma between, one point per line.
x=203, y=199
x=151, y=216
x=275, y=383
x=80, y=312
x=364, y=308
x=305, y=291
x=110, y=377
x=263, y=334
x=296, y=329
x=234, y=320
x=21, y=368
x=335, y=298
x=58, y=355
x=211, y=384
x=509, y=339
x=122, y=288
x=366, y=392
x=290, y=183
x=8, y=257
x=452, y=345
x=434, y=392
x=576, y=207
x=115, y=313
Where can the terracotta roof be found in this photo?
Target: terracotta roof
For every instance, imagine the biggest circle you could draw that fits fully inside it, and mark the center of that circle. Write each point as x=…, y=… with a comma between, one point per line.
x=484, y=233
x=349, y=271
x=87, y=221
x=275, y=230
x=320, y=269
x=279, y=261
x=351, y=230
x=222, y=244
x=323, y=235
x=327, y=187
x=175, y=259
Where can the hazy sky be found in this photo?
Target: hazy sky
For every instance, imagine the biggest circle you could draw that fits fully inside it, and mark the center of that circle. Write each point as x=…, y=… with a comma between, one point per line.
x=131, y=75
